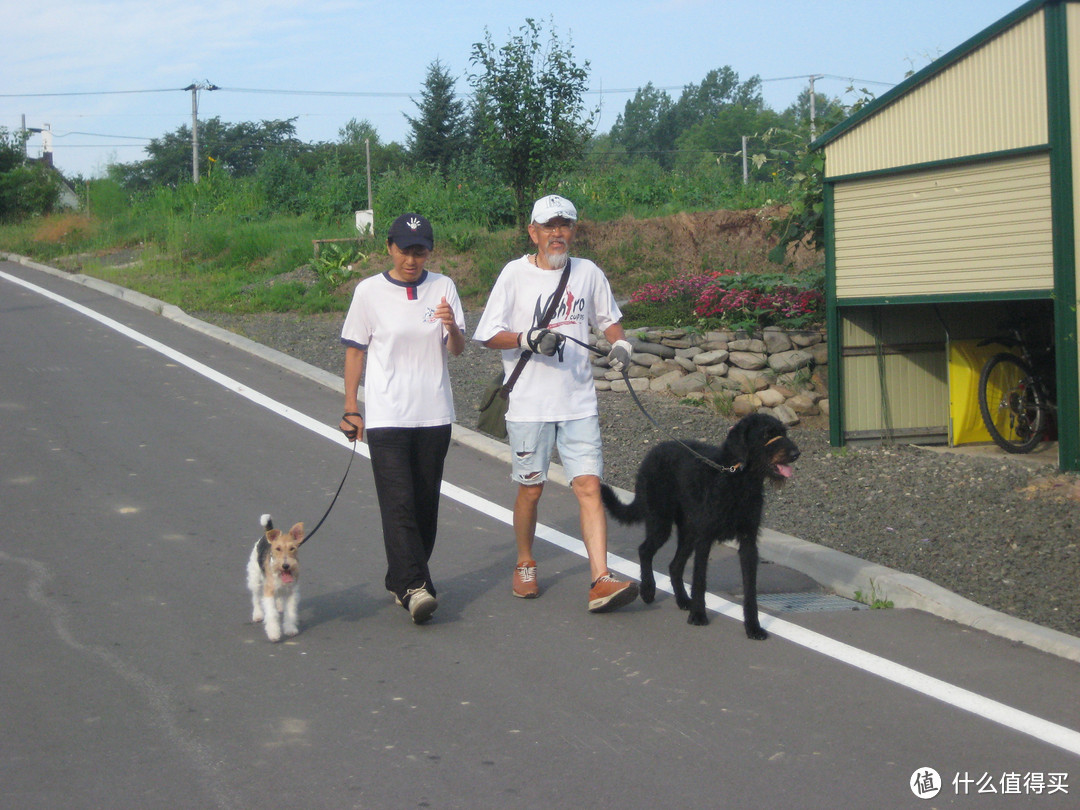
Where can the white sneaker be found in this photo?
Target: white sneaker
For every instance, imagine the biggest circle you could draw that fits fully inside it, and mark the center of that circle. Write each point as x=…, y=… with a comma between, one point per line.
x=421, y=604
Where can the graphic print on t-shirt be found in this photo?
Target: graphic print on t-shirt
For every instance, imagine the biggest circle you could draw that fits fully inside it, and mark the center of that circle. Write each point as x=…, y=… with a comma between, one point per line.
x=570, y=311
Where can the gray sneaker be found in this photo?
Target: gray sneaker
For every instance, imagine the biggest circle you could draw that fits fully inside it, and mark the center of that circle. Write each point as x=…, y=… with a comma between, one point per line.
x=421, y=604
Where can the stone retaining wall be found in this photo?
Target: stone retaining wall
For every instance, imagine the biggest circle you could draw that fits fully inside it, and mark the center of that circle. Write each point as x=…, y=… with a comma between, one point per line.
x=774, y=371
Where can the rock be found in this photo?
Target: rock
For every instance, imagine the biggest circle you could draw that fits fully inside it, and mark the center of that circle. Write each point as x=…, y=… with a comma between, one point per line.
x=691, y=382
x=716, y=370
x=785, y=415
x=748, y=345
x=640, y=384
x=776, y=341
x=665, y=381
x=711, y=358
x=751, y=361
x=803, y=340
x=770, y=397
x=660, y=350
x=745, y=404
x=748, y=380
x=686, y=363
x=800, y=403
x=787, y=362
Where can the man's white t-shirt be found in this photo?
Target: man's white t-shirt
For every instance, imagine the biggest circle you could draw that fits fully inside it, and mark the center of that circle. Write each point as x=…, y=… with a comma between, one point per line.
x=550, y=390
x=406, y=378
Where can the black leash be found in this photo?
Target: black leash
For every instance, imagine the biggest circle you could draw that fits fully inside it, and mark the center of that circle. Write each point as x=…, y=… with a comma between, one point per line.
x=633, y=395
x=352, y=455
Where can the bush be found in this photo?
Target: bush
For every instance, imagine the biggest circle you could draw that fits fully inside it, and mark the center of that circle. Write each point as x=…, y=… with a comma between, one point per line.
x=737, y=301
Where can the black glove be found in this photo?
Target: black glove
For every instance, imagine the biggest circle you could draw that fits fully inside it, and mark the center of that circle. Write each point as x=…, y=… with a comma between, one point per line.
x=544, y=341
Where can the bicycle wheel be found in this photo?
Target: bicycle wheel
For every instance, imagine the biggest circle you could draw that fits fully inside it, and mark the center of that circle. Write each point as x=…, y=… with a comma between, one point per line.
x=1013, y=407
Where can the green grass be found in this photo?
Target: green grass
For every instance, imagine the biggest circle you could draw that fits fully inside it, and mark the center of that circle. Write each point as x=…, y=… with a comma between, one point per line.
x=217, y=246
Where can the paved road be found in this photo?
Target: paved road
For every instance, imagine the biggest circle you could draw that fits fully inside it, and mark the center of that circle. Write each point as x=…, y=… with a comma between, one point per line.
x=133, y=467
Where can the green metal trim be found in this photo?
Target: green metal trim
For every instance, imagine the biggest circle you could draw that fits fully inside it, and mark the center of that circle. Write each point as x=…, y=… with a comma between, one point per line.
x=966, y=160
x=931, y=70
x=832, y=332
x=1064, y=237
x=949, y=298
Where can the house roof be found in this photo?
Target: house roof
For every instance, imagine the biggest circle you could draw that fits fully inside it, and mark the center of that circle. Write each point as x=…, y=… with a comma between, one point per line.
x=937, y=66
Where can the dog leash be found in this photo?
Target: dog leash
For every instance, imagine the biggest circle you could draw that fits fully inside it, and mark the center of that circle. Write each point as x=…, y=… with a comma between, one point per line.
x=633, y=395
x=352, y=455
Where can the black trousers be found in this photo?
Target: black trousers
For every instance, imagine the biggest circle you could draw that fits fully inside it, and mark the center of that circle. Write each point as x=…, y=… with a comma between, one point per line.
x=408, y=465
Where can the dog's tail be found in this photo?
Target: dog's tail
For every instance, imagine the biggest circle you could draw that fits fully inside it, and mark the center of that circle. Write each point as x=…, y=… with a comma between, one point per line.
x=633, y=512
x=266, y=522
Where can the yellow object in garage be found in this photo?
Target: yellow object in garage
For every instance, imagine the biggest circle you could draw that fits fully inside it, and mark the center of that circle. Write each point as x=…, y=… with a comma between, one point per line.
x=966, y=359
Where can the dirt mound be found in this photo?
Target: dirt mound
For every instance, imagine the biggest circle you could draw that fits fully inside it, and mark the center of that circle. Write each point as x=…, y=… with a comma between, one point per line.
x=632, y=250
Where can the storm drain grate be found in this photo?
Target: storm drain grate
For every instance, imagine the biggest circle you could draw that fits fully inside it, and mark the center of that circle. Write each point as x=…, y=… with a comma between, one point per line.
x=806, y=602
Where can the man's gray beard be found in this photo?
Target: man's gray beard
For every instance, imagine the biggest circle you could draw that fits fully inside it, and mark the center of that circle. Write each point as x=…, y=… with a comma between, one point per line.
x=557, y=261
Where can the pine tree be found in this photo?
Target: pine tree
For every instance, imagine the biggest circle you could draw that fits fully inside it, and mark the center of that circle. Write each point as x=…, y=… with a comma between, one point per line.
x=439, y=134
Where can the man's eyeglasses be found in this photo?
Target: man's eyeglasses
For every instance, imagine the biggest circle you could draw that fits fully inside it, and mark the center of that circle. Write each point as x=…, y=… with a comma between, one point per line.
x=557, y=225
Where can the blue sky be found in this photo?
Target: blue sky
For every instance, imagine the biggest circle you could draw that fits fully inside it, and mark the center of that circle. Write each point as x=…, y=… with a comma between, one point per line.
x=384, y=49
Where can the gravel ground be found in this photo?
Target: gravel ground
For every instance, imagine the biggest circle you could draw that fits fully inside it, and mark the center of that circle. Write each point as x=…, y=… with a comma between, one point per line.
x=991, y=529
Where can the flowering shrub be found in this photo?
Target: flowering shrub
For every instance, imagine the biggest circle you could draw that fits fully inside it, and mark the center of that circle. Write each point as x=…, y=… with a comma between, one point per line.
x=732, y=300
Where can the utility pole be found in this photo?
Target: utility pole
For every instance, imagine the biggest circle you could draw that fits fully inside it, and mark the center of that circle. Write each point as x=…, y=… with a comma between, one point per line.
x=195, y=88
x=813, y=105
x=367, y=152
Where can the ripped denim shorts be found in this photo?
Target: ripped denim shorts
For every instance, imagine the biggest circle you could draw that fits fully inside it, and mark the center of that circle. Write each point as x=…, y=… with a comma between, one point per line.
x=531, y=443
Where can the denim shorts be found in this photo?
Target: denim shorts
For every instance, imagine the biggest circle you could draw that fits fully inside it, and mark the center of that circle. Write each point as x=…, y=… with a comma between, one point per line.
x=531, y=443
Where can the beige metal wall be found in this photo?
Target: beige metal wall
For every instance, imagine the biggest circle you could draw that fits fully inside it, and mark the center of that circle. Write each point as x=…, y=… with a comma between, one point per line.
x=992, y=100
x=916, y=396
x=976, y=228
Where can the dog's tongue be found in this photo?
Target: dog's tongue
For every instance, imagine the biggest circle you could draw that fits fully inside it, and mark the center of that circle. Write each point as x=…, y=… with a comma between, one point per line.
x=286, y=577
x=785, y=470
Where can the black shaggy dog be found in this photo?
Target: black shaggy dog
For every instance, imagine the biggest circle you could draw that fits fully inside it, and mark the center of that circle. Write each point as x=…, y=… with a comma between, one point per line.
x=708, y=502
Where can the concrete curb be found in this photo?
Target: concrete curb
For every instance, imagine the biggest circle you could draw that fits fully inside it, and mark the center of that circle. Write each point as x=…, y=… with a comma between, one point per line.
x=833, y=569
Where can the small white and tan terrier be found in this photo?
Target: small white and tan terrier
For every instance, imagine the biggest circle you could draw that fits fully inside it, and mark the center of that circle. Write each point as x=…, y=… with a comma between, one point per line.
x=273, y=577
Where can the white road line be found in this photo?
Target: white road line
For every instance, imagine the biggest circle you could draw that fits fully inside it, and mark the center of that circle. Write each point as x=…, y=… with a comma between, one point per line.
x=992, y=710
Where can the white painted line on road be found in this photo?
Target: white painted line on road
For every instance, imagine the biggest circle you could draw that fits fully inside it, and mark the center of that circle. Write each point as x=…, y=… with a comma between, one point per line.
x=992, y=710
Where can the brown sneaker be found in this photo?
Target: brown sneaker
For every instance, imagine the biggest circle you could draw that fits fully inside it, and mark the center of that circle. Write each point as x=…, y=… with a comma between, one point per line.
x=525, y=585
x=608, y=593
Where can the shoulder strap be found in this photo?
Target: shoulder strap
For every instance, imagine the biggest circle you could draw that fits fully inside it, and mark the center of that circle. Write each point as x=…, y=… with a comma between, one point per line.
x=508, y=386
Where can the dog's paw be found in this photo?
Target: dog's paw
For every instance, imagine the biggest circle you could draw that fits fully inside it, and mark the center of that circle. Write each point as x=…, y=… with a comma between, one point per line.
x=697, y=619
x=292, y=631
x=648, y=592
x=757, y=633
x=682, y=601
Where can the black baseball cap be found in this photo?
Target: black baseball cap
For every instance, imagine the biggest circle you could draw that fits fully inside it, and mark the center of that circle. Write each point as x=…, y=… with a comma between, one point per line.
x=410, y=230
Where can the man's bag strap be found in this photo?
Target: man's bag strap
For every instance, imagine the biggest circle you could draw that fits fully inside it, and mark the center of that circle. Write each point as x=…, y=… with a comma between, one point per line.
x=508, y=386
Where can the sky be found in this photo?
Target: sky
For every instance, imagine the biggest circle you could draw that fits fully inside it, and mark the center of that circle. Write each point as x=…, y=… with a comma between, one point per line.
x=106, y=77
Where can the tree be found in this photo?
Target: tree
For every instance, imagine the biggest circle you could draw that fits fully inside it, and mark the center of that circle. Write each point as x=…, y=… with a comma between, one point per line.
x=25, y=190
x=235, y=148
x=439, y=134
x=653, y=124
x=528, y=109
x=637, y=128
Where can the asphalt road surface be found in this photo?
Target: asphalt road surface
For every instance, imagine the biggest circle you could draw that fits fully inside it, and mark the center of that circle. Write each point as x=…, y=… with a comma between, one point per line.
x=136, y=456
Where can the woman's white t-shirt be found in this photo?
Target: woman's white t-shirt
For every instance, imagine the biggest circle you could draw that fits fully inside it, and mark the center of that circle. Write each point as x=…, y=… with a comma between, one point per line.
x=550, y=390
x=406, y=378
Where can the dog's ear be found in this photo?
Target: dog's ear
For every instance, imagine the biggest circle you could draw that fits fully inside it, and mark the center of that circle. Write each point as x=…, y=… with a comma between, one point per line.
x=297, y=533
x=736, y=444
x=272, y=535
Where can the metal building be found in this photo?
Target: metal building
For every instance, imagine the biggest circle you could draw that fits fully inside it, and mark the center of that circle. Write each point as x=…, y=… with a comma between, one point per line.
x=950, y=206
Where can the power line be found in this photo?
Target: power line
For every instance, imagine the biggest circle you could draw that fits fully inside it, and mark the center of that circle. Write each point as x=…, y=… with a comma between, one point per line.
x=90, y=93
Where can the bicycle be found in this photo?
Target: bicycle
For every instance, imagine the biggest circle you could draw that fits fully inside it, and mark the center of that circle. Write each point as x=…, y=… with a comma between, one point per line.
x=1016, y=392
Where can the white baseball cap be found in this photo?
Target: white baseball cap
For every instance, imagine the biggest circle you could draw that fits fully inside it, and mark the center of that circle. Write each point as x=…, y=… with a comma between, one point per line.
x=548, y=208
